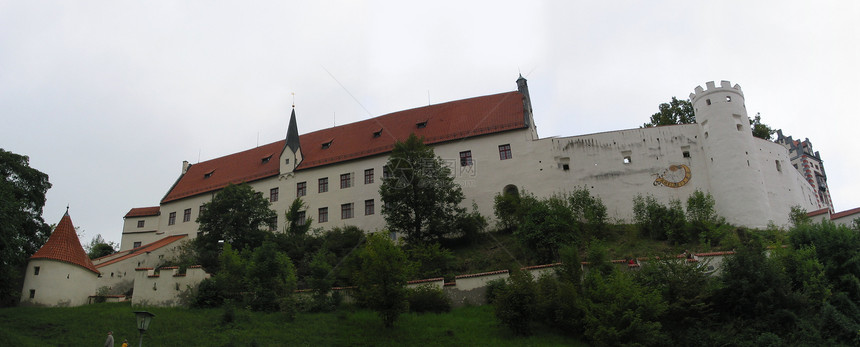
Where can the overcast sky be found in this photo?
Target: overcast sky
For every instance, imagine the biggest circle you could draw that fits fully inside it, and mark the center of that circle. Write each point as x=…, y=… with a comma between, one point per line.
x=109, y=97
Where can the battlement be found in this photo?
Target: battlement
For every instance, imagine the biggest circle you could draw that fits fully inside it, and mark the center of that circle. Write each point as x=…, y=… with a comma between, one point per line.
x=712, y=88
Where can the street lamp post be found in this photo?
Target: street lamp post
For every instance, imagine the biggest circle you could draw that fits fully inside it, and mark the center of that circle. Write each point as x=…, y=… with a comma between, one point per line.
x=143, y=320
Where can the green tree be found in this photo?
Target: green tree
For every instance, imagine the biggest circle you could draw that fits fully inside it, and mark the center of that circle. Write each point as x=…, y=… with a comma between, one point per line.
x=760, y=129
x=381, y=278
x=296, y=224
x=798, y=216
x=272, y=279
x=515, y=302
x=658, y=221
x=98, y=247
x=321, y=280
x=618, y=311
x=237, y=215
x=22, y=230
x=421, y=199
x=673, y=112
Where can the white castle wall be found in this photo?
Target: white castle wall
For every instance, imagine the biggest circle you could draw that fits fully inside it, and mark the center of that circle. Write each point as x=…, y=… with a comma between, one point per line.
x=166, y=287
x=58, y=284
x=119, y=277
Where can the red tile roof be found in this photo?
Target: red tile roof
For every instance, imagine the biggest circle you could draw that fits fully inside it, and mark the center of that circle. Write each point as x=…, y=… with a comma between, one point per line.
x=143, y=211
x=444, y=122
x=64, y=245
x=845, y=213
x=149, y=247
x=818, y=212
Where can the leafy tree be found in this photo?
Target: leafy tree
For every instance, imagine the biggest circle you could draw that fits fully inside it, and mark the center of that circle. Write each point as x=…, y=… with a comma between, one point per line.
x=760, y=129
x=515, y=302
x=272, y=279
x=421, y=199
x=237, y=216
x=659, y=222
x=321, y=280
x=673, y=112
x=545, y=225
x=432, y=259
x=22, y=230
x=798, y=216
x=381, y=278
x=589, y=211
x=98, y=247
x=505, y=208
x=618, y=311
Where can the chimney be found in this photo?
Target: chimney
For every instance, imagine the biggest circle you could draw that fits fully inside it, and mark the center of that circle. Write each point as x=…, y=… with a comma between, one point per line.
x=185, y=166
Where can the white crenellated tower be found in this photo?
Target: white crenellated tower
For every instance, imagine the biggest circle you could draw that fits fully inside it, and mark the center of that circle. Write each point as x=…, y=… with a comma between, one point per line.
x=735, y=174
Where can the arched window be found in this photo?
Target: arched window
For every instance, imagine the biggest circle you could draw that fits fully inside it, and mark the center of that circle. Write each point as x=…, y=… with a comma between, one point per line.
x=511, y=190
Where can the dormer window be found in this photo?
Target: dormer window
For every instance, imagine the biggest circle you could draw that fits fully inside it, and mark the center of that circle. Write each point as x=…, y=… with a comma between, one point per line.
x=209, y=174
x=266, y=159
x=421, y=125
x=326, y=145
x=377, y=133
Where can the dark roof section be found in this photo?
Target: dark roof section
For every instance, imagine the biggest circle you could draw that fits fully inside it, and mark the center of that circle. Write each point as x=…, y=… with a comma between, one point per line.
x=63, y=245
x=143, y=211
x=444, y=122
x=293, y=133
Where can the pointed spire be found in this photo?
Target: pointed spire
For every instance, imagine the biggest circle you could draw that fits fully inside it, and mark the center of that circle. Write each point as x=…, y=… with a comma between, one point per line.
x=293, y=132
x=64, y=245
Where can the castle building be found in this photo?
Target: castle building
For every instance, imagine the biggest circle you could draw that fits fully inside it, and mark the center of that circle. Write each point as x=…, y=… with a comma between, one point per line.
x=810, y=165
x=492, y=145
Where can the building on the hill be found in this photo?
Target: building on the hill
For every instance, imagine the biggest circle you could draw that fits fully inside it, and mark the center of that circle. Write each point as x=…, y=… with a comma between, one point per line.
x=810, y=165
x=492, y=146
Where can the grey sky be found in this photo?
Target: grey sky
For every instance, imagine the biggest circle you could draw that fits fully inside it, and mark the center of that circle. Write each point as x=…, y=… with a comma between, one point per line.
x=110, y=97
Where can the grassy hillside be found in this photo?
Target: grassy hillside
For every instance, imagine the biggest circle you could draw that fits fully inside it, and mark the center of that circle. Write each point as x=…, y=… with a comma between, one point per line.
x=88, y=326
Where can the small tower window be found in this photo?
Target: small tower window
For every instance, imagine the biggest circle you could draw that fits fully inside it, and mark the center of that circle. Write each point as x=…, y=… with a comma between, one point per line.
x=627, y=160
x=778, y=166
x=36, y=271
x=740, y=127
x=326, y=145
x=728, y=98
x=708, y=101
x=32, y=293
x=686, y=154
x=421, y=125
x=377, y=133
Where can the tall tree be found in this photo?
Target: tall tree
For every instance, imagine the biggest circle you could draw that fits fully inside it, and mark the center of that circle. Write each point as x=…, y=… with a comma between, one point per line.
x=22, y=229
x=673, y=112
x=99, y=247
x=421, y=199
x=237, y=215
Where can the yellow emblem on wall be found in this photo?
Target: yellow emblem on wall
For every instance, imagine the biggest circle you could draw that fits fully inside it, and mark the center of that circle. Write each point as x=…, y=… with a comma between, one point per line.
x=675, y=176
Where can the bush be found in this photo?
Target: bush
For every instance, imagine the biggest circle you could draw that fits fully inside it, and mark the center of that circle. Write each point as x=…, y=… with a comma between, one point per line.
x=432, y=259
x=515, y=304
x=493, y=289
x=660, y=222
x=428, y=299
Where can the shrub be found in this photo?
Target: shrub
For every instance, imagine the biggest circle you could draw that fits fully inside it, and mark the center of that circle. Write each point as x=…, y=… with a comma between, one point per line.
x=505, y=207
x=660, y=222
x=515, y=304
x=493, y=289
x=432, y=259
x=428, y=299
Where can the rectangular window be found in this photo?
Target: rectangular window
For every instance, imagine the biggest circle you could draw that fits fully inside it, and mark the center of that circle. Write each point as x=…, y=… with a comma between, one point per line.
x=386, y=172
x=301, y=189
x=465, y=158
x=171, y=220
x=186, y=216
x=32, y=293
x=141, y=223
x=323, y=214
x=368, y=207
x=345, y=180
x=202, y=208
x=346, y=211
x=136, y=244
x=301, y=220
x=368, y=176
x=273, y=223
x=273, y=195
x=505, y=152
x=36, y=271
x=323, y=185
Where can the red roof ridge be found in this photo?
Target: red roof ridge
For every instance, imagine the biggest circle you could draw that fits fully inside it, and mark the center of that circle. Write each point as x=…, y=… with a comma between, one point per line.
x=481, y=274
x=144, y=249
x=818, y=212
x=845, y=213
x=143, y=211
x=64, y=245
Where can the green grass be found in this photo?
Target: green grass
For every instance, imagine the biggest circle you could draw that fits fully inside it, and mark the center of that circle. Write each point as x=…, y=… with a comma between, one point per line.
x=88, y=325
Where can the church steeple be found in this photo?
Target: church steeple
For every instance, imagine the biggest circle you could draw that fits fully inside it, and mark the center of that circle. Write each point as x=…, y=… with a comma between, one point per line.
x=291, y=155
x=293, y=133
